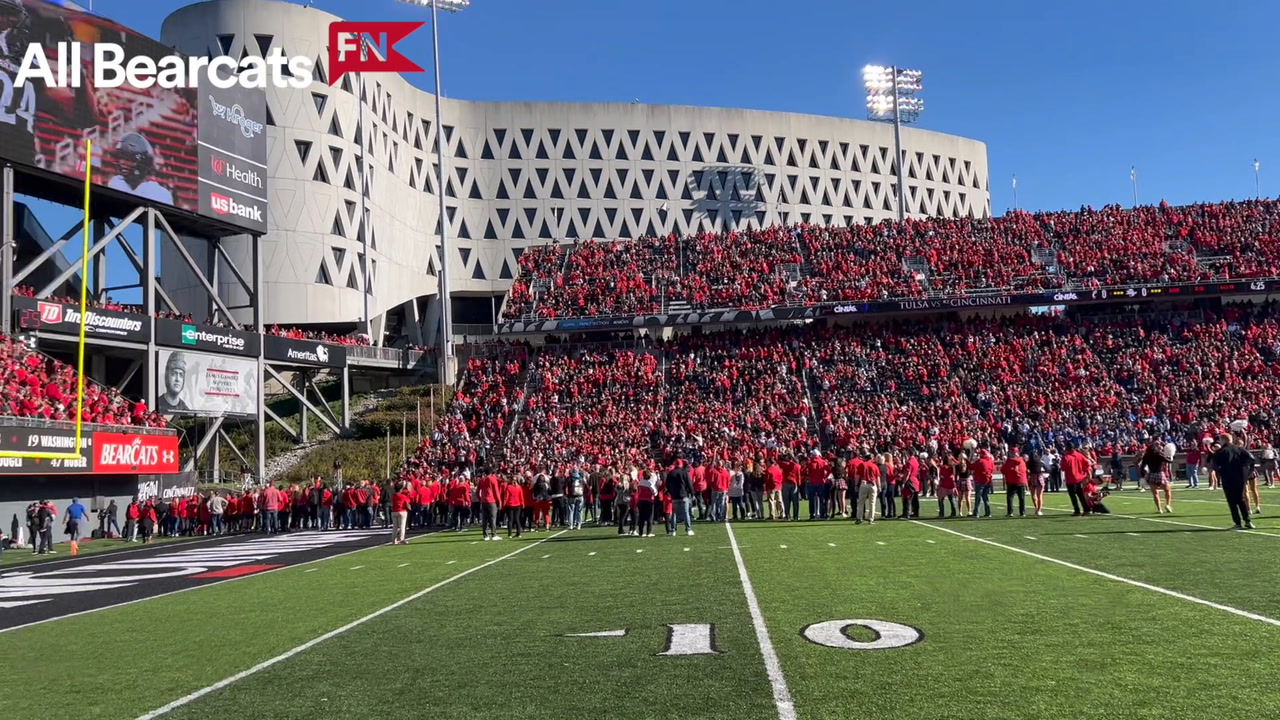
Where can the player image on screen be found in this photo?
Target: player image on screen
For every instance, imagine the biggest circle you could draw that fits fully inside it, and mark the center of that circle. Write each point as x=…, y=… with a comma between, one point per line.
x=73, y=108
x=135, y=161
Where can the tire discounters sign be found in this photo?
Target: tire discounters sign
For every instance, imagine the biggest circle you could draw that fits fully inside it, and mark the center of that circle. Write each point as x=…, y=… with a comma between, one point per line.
x=108, y=453
x=64, y=319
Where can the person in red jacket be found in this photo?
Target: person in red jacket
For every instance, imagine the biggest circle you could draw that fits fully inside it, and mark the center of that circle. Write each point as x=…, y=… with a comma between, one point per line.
x=490, y=491
x=984, y=471
x=513, y=504
x=791, y=471
x=1076, y=469
x=148, y=521
x=131, y=516
x=773, y=491
x=816, y=471
x=1015, y=482
x=459, y=504
x=401, y=501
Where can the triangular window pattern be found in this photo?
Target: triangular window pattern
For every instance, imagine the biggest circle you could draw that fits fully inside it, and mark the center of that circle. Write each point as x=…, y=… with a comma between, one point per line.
x=320, y=101
x=264, y=43
x=320, y=174
x=271, y=120
x=336, y=229
x=352, y=282
x=225, y=42
x=334, y=128
x=339, y=255
x=478, y=273
x=319, y=73
x=505, y=273
x=304, y=150
x=322, y=275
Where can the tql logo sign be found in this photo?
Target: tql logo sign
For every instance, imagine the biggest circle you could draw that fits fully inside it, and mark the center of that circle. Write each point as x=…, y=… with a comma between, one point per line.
x=368, y=47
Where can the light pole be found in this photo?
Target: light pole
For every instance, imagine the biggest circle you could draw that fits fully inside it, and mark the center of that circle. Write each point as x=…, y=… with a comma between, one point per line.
x=1015, y=193
x=1133, y=177
x=1257, y=180
x=446, y=305
x=891, y=97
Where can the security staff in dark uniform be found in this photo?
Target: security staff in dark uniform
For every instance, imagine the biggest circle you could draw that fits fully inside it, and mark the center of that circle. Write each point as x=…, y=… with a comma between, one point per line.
x=1233, y=464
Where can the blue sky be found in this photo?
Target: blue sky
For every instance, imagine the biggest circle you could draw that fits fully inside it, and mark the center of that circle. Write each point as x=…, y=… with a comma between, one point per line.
x=1067, y=96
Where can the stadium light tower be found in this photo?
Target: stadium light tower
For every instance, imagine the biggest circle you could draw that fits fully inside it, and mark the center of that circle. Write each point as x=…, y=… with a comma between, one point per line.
x=446, y=304
x=891, y=97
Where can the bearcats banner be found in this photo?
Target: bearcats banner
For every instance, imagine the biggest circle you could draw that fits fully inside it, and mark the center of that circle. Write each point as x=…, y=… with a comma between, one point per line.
x=125, y=454
x=118, y=453
x=719, y=317
x=55, y=317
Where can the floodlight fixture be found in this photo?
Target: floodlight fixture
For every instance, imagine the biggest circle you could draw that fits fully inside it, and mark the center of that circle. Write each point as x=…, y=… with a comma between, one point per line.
x=443, y=295
x=891, y=97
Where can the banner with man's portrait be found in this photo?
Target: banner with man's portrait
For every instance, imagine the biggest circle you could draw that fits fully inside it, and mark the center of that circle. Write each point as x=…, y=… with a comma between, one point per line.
x=191, y=383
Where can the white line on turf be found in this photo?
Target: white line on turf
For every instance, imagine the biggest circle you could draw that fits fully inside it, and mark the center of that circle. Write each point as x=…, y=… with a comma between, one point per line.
x=1109, y=576
x=686, y=550
x=879, y=543
x=784, y=547
x=590, y=554
x=1028, y=537
x=403, y=565
x=311, y=570
x=184, y=700
x=357, y=567
x=831, y=544
x=1171, y=522
x=451, y=562
x=1086, y=537
x=198, y=587
x=931, y=542
x=544, y=557
x=781, y=693
x=1134, y=534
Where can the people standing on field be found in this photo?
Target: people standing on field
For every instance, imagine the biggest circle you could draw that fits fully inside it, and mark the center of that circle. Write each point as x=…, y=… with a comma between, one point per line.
x=1233, y=464
x=1154, y=466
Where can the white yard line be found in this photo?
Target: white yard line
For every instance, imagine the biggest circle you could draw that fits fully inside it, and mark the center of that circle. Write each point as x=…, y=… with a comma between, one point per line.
x=781, y=693
x=1109, y=576
x=329, y=635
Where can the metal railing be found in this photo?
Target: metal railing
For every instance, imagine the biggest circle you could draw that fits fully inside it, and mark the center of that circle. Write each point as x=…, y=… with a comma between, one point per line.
x=409, y=356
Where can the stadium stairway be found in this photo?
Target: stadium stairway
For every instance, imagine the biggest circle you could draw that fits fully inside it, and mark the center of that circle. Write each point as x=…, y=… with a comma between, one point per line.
x=280, y=464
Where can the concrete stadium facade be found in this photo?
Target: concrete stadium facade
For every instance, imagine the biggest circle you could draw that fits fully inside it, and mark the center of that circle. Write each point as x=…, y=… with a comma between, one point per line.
x=522, y=174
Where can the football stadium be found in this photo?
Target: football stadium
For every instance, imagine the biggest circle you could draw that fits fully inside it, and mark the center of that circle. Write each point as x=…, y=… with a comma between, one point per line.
x=354, y=399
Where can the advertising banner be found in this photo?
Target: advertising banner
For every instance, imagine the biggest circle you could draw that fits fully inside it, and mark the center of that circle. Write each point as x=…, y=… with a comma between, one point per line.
x=144, y=138
x=191, y=383
x=51, y=440
x=163, y=488
x=303, y=352
x=125, y=454
x=65, y=75
x=113, y=452
x=55, y=317
x=203, y=338
x=233, y=156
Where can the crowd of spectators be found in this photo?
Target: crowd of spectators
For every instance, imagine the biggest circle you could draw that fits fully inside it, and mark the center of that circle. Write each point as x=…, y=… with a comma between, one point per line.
x=1018, y=252
x=37, y=386
x=1113, y=383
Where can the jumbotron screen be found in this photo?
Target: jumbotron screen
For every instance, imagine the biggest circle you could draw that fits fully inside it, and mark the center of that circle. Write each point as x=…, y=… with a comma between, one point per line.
x=146, y=140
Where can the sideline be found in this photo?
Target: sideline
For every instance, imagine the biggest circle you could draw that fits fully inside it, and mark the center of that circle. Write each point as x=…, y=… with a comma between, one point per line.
x=205, y=585
x=781, y=693
x=1109, y=576
x=331, y=634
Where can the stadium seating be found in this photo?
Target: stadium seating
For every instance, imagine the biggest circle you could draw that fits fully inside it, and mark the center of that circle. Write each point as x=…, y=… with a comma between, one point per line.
x=808, y=264
x=36, y=386
x=1113, y=383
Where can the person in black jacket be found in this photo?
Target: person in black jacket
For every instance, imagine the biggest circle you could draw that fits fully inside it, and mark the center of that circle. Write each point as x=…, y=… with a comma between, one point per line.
x=679, y=488
x=1232, y=464
x=1155, y=468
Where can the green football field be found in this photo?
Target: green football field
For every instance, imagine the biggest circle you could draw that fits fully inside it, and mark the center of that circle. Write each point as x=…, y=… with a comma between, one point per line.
x=1128, y=616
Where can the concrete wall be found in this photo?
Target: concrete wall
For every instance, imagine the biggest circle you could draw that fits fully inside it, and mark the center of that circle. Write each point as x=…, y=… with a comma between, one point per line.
x=523, y=174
